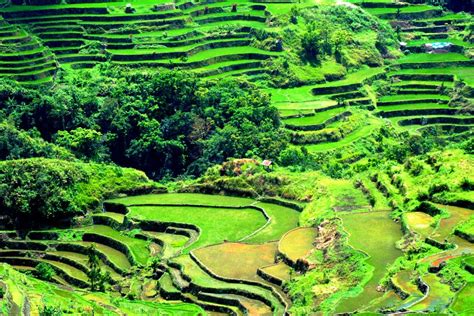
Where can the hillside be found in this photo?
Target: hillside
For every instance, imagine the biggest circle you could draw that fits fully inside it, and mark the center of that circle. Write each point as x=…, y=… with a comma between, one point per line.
x=249, y=157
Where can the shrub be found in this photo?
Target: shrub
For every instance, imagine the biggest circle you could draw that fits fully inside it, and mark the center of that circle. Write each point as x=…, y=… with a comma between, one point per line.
x=467, y=184
x=437, y=188
x=44, y=271
x=50, y=188
x=50, y=311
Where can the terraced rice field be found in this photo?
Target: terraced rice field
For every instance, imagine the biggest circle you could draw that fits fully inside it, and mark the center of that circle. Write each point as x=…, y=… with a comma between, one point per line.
x=375, y=234
x=215, y=42
x=156, y=34
x=169, y=226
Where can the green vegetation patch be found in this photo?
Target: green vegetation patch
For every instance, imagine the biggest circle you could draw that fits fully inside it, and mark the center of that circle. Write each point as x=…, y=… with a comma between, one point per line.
x=297, y=243
x=375, y=234
x=237, y=260
x=216, y=224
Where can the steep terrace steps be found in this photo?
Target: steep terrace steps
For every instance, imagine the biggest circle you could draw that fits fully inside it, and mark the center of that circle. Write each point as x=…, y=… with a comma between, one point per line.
x=349, y=134
x=416, y=106
x=21, y=47
x=200, y=39
x=418, y=75
x=427, y=29
x=136, y=250
x=61, y=35
x=21, y=56
x=56, y=23
x=180, y=282
x=26, y=69
x=223, y=67
x=69, y=258
x=205, y=58
x=435, y=119
x=63, y=43
x=412, y=99
x=69, y=273
x=26, y=63
x=317, y=121
x=250, y=15
x=417, y=91
x=418, y=112
x=457, y=129
x=202, y=280
x=98, y=17
x=98, y=22
x=68, y=50
x=432, y=36
x=239, y=72
x=411, y=12
x=41, y=240
x=33, y=75
x=174, y=52
x=11, y=13
x=71, y=58
x=111, y=257
x=384, y=184
x=58, y=28
x=83, y=260
x=420, y=84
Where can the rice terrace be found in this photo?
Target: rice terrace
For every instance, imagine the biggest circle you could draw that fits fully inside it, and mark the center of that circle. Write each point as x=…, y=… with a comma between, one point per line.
x=246, y=157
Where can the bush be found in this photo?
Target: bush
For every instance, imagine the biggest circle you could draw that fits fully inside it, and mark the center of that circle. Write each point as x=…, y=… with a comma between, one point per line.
x=437, y=188
x=44, y=271
x=49, y=188
x=50, y=311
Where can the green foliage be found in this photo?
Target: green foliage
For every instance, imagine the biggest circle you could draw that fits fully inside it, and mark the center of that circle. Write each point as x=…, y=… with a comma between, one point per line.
x=16, y=144
x=44, y=271
x=354, y=38
x=50, y=311
x=48, y=188
x=165, y=124
x=86, y=144
x=97, y=279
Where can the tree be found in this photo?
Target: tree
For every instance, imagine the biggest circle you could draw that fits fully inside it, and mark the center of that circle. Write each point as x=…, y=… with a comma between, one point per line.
x=86, y=144
x=339, y=39
x=311, y=43
x=44, y=271
x=97, y=278
x=50, y=311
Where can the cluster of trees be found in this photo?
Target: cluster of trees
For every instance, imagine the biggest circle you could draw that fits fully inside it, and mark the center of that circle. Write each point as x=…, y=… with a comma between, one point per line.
x=166, y=123
x=318, y=40
x=51, y=189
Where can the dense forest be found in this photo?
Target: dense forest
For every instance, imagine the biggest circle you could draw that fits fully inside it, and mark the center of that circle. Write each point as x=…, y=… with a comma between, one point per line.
x=248, y=157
